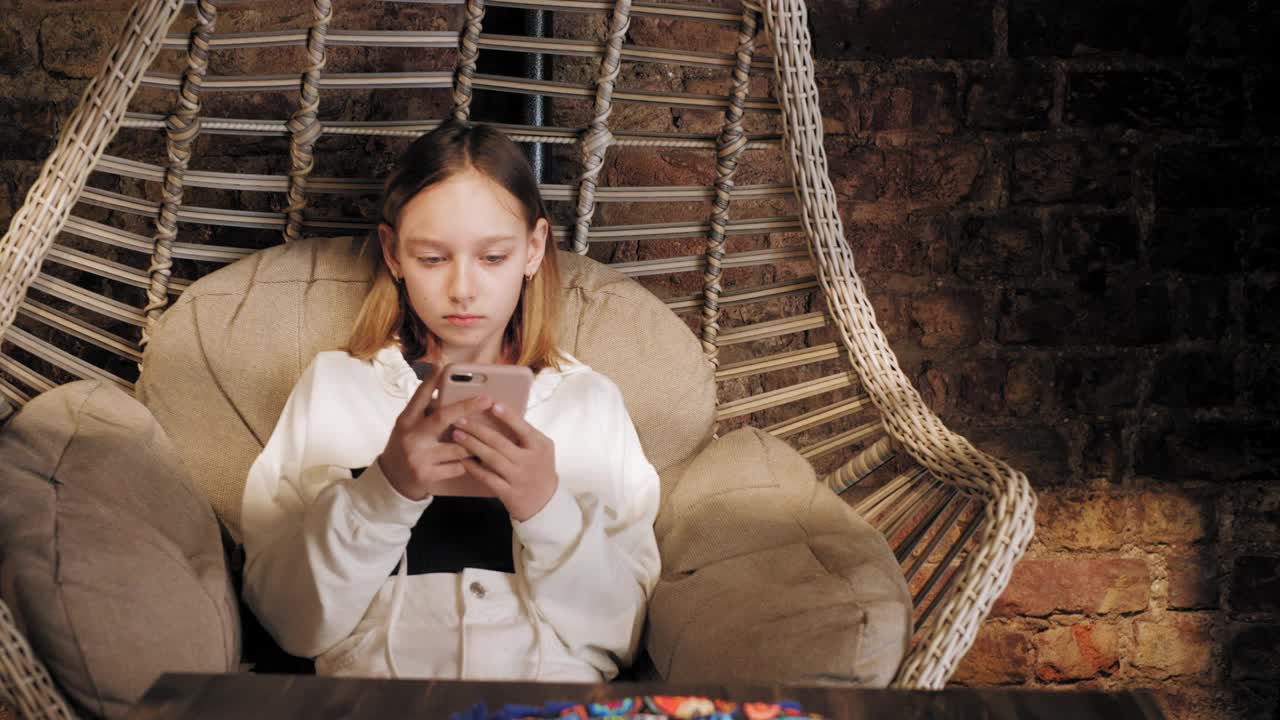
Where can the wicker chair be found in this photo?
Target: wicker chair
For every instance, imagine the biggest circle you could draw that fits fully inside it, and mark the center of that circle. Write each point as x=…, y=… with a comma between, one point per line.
x=957, y=518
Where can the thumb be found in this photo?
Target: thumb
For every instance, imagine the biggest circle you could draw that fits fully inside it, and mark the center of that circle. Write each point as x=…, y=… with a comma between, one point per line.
x=421, y=399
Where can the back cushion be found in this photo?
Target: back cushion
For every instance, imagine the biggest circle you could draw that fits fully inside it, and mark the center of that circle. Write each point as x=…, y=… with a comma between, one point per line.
x=222, y=361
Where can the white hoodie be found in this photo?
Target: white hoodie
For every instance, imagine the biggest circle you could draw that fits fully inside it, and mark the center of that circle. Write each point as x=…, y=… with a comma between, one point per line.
x=319, y=545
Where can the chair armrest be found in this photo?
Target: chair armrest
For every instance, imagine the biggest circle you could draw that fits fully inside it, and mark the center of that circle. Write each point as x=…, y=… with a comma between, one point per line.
x=768, y=576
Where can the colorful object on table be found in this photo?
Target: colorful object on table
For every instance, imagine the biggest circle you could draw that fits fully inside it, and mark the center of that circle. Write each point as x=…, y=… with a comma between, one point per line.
x=647, y=707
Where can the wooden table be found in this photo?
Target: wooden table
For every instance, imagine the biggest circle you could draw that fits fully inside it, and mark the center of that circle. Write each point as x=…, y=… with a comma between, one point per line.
x=246, y=695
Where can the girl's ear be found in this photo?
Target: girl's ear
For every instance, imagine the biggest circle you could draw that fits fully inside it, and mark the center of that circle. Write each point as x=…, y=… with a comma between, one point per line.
x=537, y=245
x=387, y=238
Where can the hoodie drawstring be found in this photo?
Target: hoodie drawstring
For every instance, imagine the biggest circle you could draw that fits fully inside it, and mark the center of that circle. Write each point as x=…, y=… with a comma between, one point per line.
x=397, y=601
x=535, y=617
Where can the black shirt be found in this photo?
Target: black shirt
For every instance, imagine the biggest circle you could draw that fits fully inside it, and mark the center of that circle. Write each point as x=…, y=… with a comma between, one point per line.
x=459, y=532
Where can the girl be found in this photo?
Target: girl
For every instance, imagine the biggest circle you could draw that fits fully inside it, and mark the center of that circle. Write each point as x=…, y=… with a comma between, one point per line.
x=351, y=560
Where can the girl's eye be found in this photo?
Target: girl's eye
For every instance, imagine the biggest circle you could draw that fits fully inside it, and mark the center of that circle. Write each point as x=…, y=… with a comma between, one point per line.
x=430, y=260
x=494, y=259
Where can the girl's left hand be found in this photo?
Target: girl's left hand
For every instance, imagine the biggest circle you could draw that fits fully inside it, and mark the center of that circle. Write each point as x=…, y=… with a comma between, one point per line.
x=521, y=473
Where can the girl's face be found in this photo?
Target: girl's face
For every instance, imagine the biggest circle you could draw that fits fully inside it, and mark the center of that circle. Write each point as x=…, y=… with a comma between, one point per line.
x=463, y=249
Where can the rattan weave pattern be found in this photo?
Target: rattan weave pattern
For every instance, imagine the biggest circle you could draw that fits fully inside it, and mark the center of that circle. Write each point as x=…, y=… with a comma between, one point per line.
x=958, y=518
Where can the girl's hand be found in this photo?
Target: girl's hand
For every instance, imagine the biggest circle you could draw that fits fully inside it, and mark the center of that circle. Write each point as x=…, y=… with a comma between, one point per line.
x=414, y=458
x=521, y=473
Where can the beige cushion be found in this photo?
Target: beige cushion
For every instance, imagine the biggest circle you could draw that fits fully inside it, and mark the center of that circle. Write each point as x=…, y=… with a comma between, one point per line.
x=110, y=559
x=768, y=576
x=221, y=362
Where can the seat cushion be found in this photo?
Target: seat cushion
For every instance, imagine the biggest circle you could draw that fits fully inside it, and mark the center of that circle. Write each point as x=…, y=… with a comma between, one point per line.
x=222, y=361
x=110, y=559
x=770, y=577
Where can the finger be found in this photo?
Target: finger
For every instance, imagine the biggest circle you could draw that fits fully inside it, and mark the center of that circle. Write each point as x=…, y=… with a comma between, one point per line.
x=524, y=432
x=448, y=471
x=491, y=458
x=421, y=398
x=446, y=452
x=491, y=438
x=449, y=414
x=487, y=477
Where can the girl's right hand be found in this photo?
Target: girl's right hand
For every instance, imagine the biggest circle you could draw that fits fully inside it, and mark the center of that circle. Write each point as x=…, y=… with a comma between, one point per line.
x=415, y=458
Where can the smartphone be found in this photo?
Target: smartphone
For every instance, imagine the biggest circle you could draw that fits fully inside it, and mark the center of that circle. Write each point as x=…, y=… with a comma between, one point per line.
x=506, y=384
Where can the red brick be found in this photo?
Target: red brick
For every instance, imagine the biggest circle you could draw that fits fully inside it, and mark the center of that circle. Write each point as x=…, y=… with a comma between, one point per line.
x=1150, y=99
x=1072, y=172
x=1066, y=28
x=864, y=173
x=1039, y=450
x=911, y=247
x=1094, y=248
x=972, y=385
x=1043, y=586
x=1103, y=455
x=943, y=175
x=1009, y=97
x=1207, y=242
x=1193, y=581
x=1077, y=652
x=1097, y=384
x=890, y=316
x=867, y=102
x=898, y=28
x=1025, y=391
x=1174, y=517
x=1126, y=316
x=1177, y=644
x=1255, y=584
x=1195, y=379
x=999, y=656
x=948, y=318
x=1214, y=177
x=1253, y=652
x=1218, y=448
x=1259, y=378
x=999, y=248
x=1073, y=520
x=75, y=44
x=1260, y=323
x=1203, y=306
x=1256, y=515
x=16, y=54
x=1188, y=702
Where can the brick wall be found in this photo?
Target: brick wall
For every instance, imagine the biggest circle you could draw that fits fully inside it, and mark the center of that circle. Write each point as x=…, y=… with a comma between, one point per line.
x=1066, y=213
x=1069, y=211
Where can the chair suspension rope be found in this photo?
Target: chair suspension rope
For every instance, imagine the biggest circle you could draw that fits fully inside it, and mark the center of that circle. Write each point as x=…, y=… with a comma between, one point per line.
x=181, y=128
x=729, y=147
x=860, y=466
x=598, y=137
x=469, y=51
x=305, y=124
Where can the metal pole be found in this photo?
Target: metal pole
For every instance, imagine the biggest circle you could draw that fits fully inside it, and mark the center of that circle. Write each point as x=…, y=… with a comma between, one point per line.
x=536, y=67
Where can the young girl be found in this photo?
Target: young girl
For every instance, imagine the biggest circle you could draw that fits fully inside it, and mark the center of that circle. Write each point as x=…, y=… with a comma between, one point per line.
x=350, y=559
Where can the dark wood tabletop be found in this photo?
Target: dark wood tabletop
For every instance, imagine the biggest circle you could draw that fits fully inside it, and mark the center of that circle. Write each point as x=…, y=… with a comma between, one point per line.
x=247, y=695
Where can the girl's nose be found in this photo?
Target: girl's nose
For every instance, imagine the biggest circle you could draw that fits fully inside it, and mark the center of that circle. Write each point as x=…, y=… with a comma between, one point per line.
x=461, y=283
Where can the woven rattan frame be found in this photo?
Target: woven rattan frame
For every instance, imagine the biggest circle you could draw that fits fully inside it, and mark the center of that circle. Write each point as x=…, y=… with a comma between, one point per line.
x=24, y=682
x=959, y=490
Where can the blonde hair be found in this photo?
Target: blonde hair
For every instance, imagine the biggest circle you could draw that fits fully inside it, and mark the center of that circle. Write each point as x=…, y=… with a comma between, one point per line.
x=386, y=316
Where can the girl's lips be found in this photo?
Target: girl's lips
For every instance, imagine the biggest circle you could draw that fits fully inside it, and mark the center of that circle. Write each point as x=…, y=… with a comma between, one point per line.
x=462, y=320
